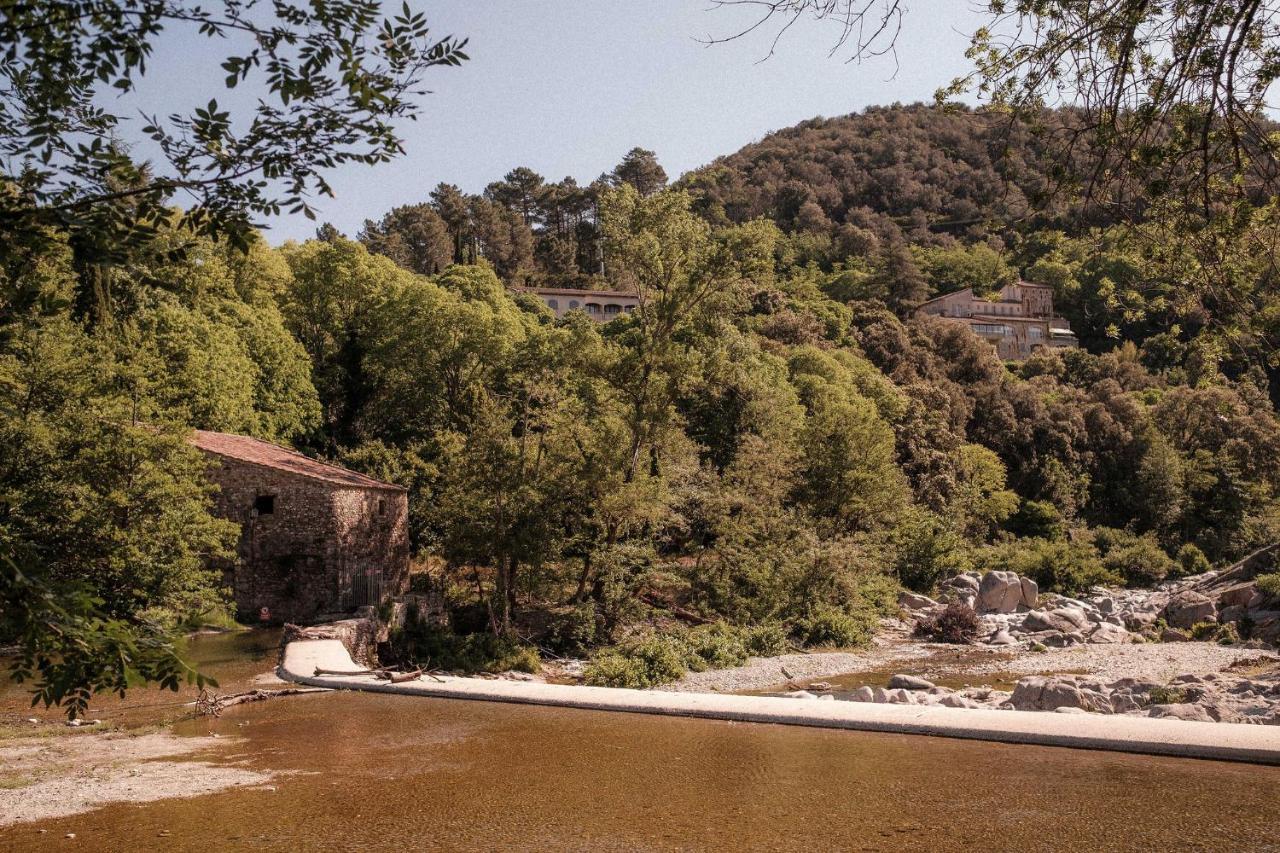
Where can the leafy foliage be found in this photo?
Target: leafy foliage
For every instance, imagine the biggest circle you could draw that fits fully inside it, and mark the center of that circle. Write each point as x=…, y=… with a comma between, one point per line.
x=69, y=651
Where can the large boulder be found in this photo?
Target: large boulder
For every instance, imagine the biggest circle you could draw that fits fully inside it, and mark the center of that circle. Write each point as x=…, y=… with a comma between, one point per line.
x=1238, y=595
x=1188, y=608
x=1108, y=633
x=1030, y=593
x=914, y=601
x=909, y=682
x=1182, y=711
x=999, y=592
x=967, y=582
x=1001, y=637
x=1048, y=693
x=1064, y=619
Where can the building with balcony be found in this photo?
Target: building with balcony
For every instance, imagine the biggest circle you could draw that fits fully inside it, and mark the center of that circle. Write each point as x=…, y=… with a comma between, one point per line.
x=1017, y=322
x=600, y=305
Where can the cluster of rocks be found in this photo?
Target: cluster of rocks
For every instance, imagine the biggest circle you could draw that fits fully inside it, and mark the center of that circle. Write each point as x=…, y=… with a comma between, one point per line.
x=1013, y=611
x=1207, y=698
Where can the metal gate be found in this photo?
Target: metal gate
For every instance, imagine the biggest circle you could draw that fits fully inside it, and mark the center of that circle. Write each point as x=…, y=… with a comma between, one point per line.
x=366, y=587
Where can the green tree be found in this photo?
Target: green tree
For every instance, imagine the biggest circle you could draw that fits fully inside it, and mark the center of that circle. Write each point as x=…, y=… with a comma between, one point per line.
x=414, y=236
x=334, y=80
x=641, y=170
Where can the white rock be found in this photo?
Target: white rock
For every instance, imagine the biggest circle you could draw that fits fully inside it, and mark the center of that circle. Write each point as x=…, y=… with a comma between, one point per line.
x=1030, y=593
x=999, y=592
x=1108, y=633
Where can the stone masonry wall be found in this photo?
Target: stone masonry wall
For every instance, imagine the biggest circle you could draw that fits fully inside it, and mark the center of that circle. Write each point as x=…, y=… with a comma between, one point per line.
x=372, y=542
x=299, y=560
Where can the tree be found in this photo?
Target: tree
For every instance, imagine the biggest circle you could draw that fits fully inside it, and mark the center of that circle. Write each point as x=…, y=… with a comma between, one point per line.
x=640, y=169
x=454, y=209
x=520, y=190
x=335, y=79
x=335, y=288
x=414, y=236
x=896, y=276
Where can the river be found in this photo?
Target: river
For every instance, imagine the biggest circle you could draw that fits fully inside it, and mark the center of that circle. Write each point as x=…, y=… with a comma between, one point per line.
x=373, y=772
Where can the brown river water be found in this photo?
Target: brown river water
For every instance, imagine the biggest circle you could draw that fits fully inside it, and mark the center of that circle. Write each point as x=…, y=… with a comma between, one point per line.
x=372, y=772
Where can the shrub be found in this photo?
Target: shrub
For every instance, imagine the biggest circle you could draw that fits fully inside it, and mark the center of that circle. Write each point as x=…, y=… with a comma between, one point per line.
x=663, y=657
x=958, y=623
x=828, y=626
x=574, y=631
x=877, y=591
x=611, y=669
x=928, y=551
x=1065, y=567
x=1269, y=584
x=1139, y=560
x=1192, y=561
x=638, y=664
x=1037, y=520
x=436, y=647
x=767, y=640
x=1167, y=695
x=714, y=646
x=1203, y=630
x=1228, y=635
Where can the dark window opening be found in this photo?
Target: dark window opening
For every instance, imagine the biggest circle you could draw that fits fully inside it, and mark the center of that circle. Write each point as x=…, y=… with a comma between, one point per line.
x=264, y=504
x=382, y=506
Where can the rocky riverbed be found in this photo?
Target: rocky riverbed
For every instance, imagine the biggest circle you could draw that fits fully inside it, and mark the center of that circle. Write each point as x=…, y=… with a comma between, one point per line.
x=1197, y=649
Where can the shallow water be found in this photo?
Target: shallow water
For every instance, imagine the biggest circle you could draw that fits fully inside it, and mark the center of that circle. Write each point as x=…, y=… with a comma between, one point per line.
x=234, y=658
x=371, y=772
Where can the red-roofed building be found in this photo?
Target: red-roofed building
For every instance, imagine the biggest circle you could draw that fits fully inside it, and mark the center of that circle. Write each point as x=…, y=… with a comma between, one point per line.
x=1018, y=320
x=316, y=538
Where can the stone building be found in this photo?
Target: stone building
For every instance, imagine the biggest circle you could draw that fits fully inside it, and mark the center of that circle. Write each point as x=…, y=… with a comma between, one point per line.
x=1017, y=322
x=600, y=305
x=315, y=538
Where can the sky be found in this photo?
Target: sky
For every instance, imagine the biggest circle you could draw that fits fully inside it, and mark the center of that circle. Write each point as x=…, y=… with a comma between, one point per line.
x=568, y=87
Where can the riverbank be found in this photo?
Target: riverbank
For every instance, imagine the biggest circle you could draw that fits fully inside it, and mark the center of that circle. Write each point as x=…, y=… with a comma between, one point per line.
x=895, y=652
x=51, y=777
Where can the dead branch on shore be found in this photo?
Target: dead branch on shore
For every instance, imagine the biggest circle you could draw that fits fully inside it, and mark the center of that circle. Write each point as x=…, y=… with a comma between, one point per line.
x=209, y=704
x=384, y=673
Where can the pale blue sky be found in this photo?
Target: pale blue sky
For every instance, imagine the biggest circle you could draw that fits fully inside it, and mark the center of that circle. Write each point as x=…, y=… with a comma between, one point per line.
x=566, y=88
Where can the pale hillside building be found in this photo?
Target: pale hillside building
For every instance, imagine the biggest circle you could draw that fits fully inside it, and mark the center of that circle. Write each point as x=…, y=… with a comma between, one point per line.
x=600, y=305
x=1018, y=321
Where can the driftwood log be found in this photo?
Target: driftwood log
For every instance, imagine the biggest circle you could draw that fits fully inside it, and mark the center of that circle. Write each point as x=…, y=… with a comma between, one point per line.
x=213, y=704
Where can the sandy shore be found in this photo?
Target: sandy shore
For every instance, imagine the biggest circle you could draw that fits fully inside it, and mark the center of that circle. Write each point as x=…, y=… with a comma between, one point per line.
x=57, y=776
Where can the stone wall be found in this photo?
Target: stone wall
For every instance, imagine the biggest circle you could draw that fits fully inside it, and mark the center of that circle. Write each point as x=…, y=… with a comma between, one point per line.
x=371, y=551
x=299, y=559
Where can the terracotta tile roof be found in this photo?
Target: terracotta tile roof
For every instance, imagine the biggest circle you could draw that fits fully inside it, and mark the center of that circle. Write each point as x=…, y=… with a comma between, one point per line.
x=268, y=455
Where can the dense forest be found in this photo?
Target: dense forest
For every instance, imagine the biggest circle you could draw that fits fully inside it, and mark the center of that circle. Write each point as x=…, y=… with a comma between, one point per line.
x=768, y=450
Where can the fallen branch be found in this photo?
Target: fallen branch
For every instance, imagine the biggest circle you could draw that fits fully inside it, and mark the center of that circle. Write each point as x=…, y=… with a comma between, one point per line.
x=213, y=704
x=398, y=677
x=323, y=671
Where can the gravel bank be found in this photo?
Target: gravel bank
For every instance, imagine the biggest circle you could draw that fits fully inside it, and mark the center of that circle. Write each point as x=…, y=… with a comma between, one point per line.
x=1149, y=661
x=761, y=673
x=58, y=776
x=977, y=665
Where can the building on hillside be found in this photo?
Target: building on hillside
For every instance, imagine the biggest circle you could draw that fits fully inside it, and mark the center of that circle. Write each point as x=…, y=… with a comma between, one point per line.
x=315, y=538
x=1017, y=323
x=600, y=305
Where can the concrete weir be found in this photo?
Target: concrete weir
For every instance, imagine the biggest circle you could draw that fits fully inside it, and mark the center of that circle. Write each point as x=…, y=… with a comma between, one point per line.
x=1221, y=741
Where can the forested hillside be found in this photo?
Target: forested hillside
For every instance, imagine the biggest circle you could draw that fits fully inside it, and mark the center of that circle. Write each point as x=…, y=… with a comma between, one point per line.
x=772, y=445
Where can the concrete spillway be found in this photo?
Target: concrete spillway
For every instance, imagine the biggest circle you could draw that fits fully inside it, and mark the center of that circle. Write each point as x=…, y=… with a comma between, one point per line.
x=1222, y=741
